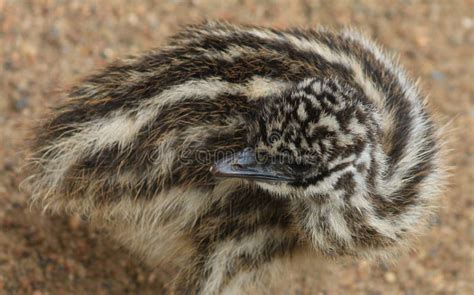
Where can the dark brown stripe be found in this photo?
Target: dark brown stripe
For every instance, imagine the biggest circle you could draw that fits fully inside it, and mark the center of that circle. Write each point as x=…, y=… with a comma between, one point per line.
x=189, y=169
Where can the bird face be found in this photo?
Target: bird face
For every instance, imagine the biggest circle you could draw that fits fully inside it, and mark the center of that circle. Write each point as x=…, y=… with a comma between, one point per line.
x=297, y=140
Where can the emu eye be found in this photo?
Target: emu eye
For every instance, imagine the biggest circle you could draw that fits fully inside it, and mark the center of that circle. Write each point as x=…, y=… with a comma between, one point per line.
x=299, y=168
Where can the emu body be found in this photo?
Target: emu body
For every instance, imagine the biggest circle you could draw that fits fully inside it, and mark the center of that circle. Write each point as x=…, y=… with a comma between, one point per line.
x=352, y=157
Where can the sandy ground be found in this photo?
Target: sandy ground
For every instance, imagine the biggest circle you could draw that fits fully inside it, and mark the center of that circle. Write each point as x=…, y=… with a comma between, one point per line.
x=45, y=45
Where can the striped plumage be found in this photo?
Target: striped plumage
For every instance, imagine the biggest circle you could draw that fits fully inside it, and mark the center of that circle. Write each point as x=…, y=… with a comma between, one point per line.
x=355, y=153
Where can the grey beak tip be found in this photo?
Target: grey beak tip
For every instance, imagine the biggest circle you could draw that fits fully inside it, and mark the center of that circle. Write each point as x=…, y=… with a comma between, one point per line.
x=214, y=171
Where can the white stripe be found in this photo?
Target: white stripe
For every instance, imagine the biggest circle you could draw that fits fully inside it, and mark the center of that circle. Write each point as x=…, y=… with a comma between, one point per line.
x=122, y=127
x=226, y=253
x=412, y=155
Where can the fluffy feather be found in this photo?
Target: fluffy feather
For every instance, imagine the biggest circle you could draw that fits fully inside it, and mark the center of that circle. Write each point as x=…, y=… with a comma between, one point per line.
x=132, y=147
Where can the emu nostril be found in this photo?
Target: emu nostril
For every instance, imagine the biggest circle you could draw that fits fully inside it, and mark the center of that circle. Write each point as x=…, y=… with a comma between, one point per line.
x=236, y=166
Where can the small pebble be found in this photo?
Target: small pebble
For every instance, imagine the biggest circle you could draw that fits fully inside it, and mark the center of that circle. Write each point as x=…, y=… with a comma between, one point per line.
x=21, y=103
x=390, y=277
x=436, y=75
x=468, y=23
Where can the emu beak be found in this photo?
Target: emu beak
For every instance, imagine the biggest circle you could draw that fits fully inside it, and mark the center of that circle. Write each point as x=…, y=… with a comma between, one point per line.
x=244, y=164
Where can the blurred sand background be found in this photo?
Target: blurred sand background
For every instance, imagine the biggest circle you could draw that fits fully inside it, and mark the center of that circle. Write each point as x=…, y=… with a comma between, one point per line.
x=48, y=44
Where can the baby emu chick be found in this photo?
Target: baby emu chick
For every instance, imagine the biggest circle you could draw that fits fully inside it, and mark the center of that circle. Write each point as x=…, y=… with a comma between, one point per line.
x=236, y=146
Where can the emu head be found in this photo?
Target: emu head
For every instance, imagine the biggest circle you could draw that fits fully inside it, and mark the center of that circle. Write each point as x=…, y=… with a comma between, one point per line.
x=307, y=139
